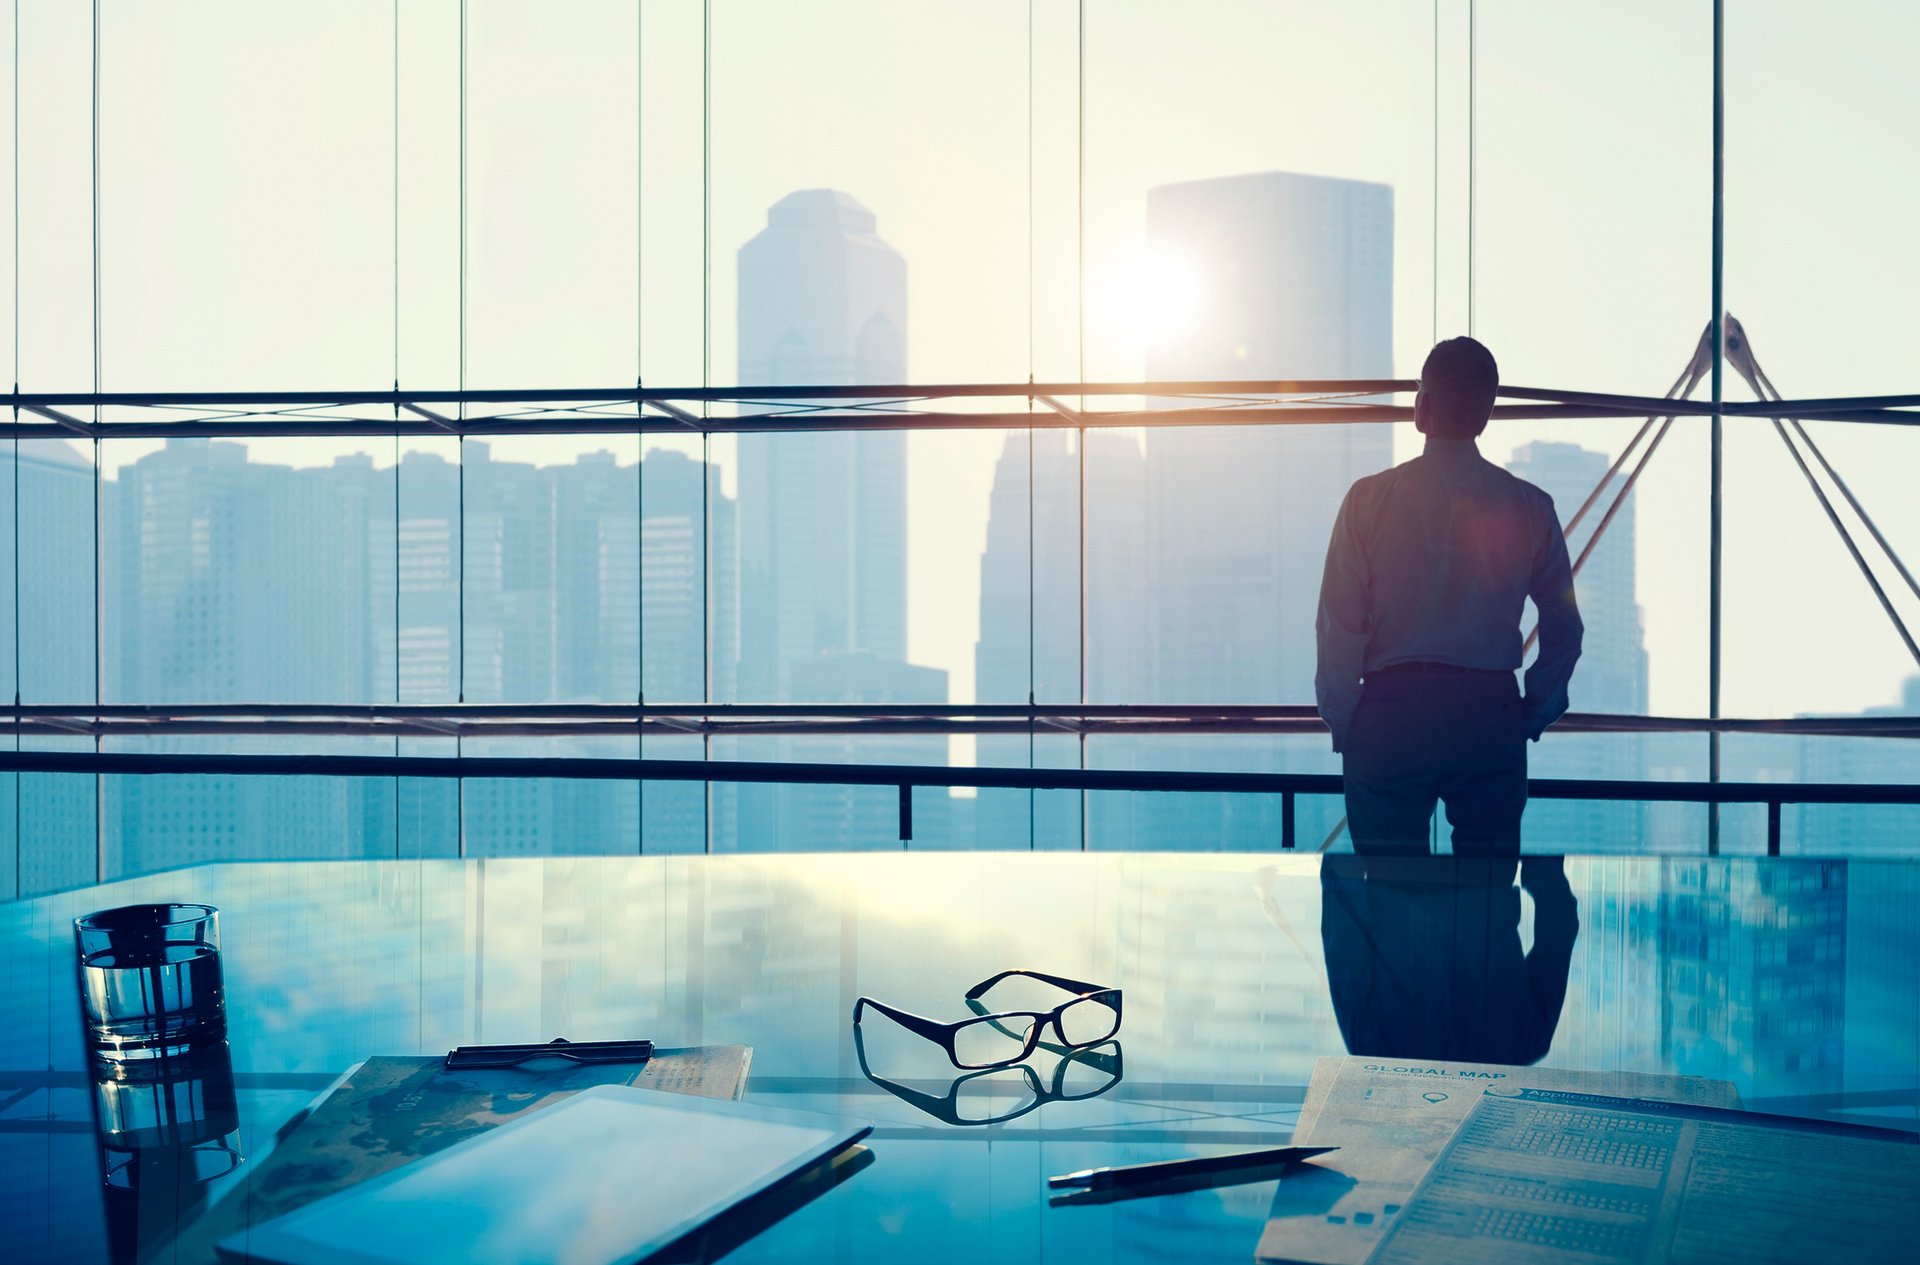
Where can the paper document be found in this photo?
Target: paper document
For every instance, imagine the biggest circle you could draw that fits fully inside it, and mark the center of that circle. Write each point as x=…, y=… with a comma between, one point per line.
x=1546, y=1177
x=392, y=1111
x=1391, y=1119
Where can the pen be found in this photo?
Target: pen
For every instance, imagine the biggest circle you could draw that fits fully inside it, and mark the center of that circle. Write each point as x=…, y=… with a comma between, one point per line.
x=1171, y=1170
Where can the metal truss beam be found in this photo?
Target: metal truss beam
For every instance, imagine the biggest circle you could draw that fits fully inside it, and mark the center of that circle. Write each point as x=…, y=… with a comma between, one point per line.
x=60, y=420
x=446, y=424
x=481, y=720
x=801, y=408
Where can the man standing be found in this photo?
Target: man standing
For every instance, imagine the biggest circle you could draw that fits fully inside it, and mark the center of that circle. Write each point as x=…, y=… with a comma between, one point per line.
x=1419, y=627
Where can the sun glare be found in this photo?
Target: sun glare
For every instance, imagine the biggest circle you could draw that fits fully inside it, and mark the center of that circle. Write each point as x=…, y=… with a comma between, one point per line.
x=1152, y=294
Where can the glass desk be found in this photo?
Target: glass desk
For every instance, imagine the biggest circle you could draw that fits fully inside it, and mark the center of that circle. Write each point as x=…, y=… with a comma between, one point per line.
x=1798, y=980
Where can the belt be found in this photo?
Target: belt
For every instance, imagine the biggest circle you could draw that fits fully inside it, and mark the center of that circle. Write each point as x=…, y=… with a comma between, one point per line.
x=1423, y=667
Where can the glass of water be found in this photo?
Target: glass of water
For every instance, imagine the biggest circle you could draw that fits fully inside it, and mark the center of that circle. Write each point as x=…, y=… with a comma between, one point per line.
x=150, y=982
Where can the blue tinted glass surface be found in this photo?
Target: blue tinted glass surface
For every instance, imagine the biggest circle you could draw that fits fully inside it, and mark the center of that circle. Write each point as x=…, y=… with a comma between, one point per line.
x=1796, y=981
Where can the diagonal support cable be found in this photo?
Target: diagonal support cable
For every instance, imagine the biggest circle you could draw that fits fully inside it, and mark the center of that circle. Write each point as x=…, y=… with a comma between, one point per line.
x=1846, y=538
x=1586, y=550
x=1613, y=471
x=444, y=423
x=65, y=421
x=1747, y=365
x=1606, y=520
x=1858, y=508
x=1744, y=361
x=1683, y=386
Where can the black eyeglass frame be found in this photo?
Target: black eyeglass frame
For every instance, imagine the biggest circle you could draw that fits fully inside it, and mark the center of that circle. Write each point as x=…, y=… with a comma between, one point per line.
x=945, y=1034
x=1109, y=1062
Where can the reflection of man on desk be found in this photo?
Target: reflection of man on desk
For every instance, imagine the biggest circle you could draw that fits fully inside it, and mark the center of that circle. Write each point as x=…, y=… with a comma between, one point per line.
x=1424, y=958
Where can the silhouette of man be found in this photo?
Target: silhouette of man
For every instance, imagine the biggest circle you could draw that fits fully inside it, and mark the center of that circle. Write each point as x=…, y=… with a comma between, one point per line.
x=1427, y=572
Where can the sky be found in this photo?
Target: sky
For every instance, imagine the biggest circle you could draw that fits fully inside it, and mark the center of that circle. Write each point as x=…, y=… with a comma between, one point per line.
x=280, y=203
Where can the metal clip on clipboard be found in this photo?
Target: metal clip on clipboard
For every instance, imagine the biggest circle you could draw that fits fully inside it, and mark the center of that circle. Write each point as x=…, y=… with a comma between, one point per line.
x=476, y=1056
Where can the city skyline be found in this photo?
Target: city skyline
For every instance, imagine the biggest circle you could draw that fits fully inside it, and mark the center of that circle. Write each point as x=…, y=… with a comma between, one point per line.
x=726, y=464
x=893, y=361
x=157, y=823
x=564, y=570
x=793, y=535
x=822, y=575
x=1515, y=225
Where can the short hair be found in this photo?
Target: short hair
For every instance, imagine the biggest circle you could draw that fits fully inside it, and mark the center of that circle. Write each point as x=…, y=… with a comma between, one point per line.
x=1460, y=381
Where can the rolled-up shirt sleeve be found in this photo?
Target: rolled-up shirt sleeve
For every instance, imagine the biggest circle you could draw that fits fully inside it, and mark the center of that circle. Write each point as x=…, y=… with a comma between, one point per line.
x=1342, y=625
x=1561, y=631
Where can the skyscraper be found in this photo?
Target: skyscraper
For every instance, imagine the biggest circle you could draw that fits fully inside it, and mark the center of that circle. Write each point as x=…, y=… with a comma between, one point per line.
x=688, y=563
x=1030, y=618
x=823, y=522
x=559, y=560
x=427, y=555
x=55, y=815
x=1295, y=280
x=226, y=581
x=1295, y=275
x=1612, y=673
x=823, y=517
x=1856, y=829
x=231, y=581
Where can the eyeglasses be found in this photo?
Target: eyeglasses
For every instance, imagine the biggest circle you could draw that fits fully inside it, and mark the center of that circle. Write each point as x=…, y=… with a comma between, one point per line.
x=995, y=1039
x=995, y=1095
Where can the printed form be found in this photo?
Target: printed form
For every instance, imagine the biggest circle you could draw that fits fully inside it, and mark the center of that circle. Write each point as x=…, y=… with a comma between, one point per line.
x=1391, y=1119
x=1560, y=1178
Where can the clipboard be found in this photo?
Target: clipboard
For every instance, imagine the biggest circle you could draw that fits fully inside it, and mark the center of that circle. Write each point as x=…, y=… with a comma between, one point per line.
x=609, y=1175
x=391, y=1111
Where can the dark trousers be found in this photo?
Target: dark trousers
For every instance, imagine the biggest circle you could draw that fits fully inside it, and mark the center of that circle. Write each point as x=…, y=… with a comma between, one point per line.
x=1421, y=737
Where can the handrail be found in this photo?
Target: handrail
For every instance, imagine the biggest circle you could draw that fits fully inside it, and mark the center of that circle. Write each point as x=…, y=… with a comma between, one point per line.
x=908, y=776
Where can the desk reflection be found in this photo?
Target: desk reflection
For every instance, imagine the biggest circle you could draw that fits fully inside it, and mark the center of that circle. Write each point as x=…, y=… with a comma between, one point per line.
x=1424, y=958
x=997, y=1095
x=166, y=1128
x=1798, y=979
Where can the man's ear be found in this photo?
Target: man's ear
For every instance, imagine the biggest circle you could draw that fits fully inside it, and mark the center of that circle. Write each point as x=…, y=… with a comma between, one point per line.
x=1422, y=412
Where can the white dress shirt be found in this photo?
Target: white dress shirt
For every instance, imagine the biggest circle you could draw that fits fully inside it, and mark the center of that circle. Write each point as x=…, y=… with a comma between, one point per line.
x=1432, y=561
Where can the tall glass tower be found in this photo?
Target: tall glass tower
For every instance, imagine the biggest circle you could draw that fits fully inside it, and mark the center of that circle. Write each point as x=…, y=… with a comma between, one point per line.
x=823, y=526
x=1612, y=673
x=823, y=517
x=1294, y=275
x=1029, y=647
